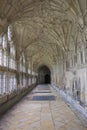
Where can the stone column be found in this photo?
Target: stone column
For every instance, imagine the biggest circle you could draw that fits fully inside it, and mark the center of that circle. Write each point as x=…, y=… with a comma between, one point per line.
x=26, y=74
x=18, y=70
x=8, y=65
x=31, y=69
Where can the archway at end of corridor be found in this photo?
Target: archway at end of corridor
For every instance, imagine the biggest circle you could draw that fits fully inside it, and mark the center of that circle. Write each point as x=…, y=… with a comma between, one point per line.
x=44, y=75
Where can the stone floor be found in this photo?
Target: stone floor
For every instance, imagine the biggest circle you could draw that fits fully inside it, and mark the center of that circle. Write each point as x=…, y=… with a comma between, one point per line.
x=34, y=112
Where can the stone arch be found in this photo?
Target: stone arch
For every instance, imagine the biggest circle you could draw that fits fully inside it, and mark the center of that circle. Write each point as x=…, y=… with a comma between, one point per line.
x=44, y=75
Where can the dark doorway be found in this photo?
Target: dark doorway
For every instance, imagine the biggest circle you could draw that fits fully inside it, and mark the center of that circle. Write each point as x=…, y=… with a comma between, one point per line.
x=47, y=79
x=44, y=75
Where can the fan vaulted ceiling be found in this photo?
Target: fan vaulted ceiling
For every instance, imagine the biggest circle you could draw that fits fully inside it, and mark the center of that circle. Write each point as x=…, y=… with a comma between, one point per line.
x=45, y=30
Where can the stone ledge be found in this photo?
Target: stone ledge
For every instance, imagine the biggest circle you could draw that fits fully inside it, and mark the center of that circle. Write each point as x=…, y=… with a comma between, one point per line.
x=7, y=101
x=71, y=101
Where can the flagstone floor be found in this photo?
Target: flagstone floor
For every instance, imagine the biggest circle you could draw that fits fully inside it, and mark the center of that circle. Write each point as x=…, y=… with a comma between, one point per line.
x=42, y=109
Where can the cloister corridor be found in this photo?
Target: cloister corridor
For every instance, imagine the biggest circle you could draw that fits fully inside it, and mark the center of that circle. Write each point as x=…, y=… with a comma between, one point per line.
x=42, y=109
x=43, y=64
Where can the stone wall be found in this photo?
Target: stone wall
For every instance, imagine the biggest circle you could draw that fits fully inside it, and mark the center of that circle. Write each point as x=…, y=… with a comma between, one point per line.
x=71, y=77
x=7, y=101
